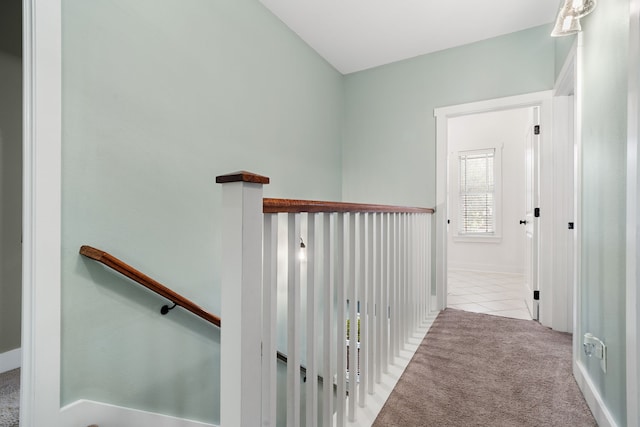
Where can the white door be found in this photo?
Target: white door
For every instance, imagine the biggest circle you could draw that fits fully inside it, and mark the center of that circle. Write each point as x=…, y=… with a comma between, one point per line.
x=530, y=221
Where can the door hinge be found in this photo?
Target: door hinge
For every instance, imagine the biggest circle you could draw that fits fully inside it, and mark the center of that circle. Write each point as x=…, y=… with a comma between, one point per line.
x=536, y=212
x=570, y=226
x=536, y=295
x=536, y=130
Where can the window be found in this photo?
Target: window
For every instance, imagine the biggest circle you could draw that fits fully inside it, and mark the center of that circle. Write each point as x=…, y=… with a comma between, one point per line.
x=477, y=193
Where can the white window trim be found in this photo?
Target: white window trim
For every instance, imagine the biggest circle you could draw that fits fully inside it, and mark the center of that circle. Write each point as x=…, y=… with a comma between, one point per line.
x=496, y=237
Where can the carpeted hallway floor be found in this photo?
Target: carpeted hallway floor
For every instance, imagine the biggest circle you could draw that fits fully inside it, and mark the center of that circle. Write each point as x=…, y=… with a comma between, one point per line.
x=470, y=370
x=9, y=398
x=480, y=370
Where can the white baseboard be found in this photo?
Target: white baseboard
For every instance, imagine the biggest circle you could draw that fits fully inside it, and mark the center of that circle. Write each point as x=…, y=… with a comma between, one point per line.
x=594, y=400
x=87, y=412
x=486, y=268
x=10, y=360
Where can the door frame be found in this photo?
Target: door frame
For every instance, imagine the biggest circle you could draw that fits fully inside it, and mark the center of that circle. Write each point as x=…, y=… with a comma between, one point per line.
x=633, y=221
x=42, y=149
x=566, y=184
x=542, y=99
x=532, y=190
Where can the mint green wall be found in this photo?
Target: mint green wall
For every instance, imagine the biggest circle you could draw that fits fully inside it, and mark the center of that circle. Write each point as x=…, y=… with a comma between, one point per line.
x=604, y=145
x=10, y=198
x=390, y=138
x=158, y=99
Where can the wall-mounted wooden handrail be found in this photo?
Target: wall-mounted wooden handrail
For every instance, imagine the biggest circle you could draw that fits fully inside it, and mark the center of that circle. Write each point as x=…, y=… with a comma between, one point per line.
x=315, y=206
x=146, y=281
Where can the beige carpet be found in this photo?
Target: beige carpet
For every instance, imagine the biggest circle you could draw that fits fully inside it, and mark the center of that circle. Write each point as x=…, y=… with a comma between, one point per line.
x=9, y=398
x=480, y=370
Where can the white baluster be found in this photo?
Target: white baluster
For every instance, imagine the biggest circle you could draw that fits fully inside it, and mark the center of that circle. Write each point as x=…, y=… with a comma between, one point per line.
x=384, y=288
x=415, y=271
x=328, y=333
x=425, y=270
x=350, y=267
x=269, y=313
x=312, y=366
x=363, y=342
x=406, y=305
x=423, y=281
x=402, y=310
x=312, y=328
x=394, y=329
x=372, y=302
x=429, y=221
x=341, y=360
x=401, y=284
x=293, y=322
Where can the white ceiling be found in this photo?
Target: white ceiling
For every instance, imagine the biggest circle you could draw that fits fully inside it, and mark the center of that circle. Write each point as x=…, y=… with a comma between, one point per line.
x=354, y=35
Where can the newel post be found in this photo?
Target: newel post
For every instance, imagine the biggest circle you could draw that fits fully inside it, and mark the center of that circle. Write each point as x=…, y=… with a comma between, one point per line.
x=241, y=307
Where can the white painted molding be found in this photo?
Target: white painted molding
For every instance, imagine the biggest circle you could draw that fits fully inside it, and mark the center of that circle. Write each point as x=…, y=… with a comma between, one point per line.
x=486, y=268
x=577, y=203
x=442, y=115
x=594, y=400
x=87, y=412
x=564, y=189
x=633, y=221
x=10, y=360
x=497, y=104
x=40, y=391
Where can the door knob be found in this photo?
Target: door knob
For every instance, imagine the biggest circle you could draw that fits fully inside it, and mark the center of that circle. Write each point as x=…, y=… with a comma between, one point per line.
x=523, y=221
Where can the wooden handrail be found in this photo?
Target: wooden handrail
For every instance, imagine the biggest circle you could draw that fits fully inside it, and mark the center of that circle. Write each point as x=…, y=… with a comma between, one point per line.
x=315, y=206
x=146, y=281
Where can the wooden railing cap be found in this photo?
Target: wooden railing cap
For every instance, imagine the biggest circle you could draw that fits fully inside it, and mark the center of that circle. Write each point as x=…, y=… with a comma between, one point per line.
x=242, y=176
x=317, y=206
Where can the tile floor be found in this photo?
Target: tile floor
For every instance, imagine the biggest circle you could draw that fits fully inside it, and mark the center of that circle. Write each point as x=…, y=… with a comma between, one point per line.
x=499, y=294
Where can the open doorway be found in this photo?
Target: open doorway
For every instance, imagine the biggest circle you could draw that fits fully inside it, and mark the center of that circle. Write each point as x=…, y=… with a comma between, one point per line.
x=487, y=204
x=557, y=209
x=10, y=207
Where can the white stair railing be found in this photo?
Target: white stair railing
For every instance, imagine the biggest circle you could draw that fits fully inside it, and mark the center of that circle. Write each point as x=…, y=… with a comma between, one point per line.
x=364, y=272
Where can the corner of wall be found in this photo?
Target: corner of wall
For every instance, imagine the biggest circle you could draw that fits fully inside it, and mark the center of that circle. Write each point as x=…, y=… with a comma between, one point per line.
x=10, y=360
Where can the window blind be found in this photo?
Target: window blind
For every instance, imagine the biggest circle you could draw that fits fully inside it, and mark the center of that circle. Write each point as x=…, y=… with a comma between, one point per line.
x=477, y=192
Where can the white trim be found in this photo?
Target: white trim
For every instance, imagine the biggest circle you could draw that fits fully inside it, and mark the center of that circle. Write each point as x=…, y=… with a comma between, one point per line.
x=10, y=360
x=594, y=400
x=87, y=412
x=633, y=221
x=486, y=268
x=443, y=114
x=497, y=104
x=577, y=203
x=564, y=137
x=40, y=391
x=563, y=193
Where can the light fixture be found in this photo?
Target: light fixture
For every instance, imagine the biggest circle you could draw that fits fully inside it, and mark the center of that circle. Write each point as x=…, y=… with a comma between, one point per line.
x=568, y=20
x=302, y=254
x=583, y=7
x=566, y=25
